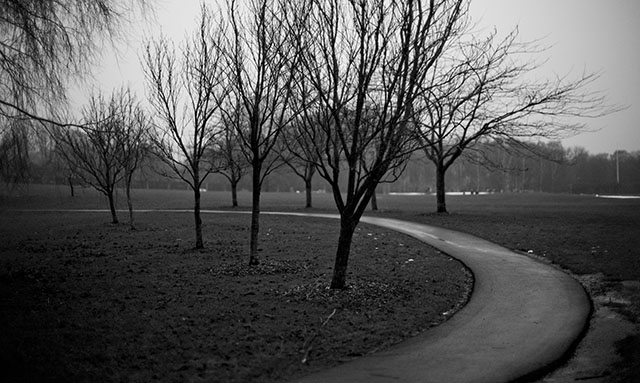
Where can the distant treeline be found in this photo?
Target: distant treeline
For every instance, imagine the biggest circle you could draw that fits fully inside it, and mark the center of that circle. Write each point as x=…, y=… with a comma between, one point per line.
x=545, y=167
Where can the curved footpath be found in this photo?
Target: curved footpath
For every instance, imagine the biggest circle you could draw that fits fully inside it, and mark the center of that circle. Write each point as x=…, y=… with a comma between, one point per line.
x=522, y=318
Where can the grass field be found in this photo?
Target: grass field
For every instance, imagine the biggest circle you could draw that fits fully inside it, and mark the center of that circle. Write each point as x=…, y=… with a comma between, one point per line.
x=582, y=234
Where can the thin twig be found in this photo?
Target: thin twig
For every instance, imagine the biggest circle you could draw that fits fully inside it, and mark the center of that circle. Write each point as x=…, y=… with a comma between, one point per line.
x=308, y=344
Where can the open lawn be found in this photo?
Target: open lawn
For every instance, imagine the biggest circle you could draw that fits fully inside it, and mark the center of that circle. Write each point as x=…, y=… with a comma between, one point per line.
x=582, y=234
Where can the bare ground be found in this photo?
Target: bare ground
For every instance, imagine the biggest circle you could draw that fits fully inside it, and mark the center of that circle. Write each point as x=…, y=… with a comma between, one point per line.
x=82, y=300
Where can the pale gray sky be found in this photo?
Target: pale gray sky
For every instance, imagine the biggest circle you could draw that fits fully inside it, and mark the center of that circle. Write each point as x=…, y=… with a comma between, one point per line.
x=590, y=35
x=583, y=35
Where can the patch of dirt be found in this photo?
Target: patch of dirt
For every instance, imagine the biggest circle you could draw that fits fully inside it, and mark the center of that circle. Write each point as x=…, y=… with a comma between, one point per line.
x=86, y=301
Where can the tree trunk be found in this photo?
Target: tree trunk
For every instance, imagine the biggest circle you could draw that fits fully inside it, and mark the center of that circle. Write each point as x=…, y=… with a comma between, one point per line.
x=347, y=228
x=112, y=207
x=440, y=188
x=307, y=187
x=254, y=259
x=374, y=201
x=71, y=186
x=196, y=216
x=234, y=193
x=130, y=205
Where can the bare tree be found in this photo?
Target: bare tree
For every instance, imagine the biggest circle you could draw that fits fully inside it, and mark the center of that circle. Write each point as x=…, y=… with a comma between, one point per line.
x=296, y=154
x=303, y=135
x=227, y=154
x=186, y=96
x=96, y=151
x=261, y=68
x=305, y=170
x=134, y=145
x=487, y=89
x=69, y=170
x=364, y=61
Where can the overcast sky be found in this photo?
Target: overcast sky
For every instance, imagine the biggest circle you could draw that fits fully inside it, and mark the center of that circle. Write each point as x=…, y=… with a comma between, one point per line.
x=583, y=35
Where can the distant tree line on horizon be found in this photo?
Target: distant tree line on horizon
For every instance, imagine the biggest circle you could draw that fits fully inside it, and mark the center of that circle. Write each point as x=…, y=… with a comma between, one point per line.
x=550, y=168
x=553, y=169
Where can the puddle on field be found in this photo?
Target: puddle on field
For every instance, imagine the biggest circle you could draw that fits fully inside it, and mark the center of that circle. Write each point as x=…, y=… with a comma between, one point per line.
x=596, y=353
x=612, y=299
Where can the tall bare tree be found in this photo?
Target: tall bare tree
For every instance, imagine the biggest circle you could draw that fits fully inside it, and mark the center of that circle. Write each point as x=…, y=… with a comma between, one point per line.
x=488, y=89
x=364, y=62
x=261, y=69
x=186, y=93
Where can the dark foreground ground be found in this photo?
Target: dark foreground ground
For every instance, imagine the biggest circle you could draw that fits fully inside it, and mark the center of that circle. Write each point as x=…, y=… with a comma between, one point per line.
x=596, y=239
x=82, y=300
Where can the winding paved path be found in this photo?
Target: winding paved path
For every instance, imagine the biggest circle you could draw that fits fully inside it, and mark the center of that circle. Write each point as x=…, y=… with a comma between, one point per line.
x=521, y=319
